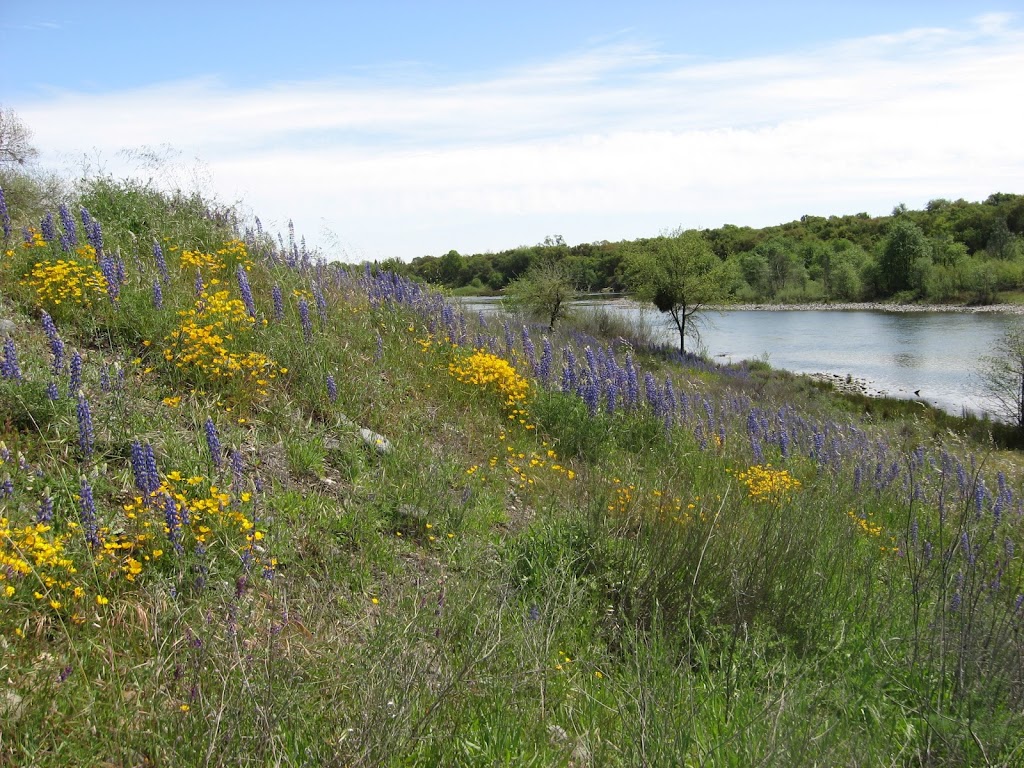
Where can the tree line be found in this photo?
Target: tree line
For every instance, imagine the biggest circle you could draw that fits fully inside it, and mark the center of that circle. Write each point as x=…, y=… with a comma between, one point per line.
x=951, y=251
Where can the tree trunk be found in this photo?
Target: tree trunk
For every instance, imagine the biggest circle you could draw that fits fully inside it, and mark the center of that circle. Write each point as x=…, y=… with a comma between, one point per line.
x=680, y=319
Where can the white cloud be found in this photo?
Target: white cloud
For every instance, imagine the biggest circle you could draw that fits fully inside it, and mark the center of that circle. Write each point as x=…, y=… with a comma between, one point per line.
x=615, y=142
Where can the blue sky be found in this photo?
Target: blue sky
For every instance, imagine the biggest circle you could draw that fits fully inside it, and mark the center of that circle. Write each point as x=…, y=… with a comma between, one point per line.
x=410, y=128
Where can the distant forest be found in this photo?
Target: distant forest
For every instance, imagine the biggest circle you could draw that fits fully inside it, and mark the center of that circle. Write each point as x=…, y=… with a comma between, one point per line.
x=952, y=251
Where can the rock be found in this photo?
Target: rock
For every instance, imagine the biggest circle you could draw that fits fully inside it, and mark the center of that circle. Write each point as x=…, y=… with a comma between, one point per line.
x=372, y=439
x=7, y=327
x=12, y=707
x=378, y=442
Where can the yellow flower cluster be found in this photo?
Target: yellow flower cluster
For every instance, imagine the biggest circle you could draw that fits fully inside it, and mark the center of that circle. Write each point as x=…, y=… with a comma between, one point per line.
x=35, y=560
x=663, y=506
x=235, y=250
x=36, y=241
x=200, y=260
x=63, y=280
x=86, y=252
x=768, y=485
x=865, y=525
x=25, y=549
x=529, y=468
x=490, y=372
x=205, y=338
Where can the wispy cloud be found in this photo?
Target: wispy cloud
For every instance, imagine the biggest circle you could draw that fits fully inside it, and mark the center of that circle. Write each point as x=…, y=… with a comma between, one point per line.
x=618, y=141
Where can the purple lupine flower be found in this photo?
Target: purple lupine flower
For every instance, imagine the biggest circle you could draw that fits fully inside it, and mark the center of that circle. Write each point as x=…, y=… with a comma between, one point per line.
x=45, y=512
x=237, y=468
x=570, y=379
x=246, y=291
x=198, y=285
x=138, y=460
x=510, y=342
x=52, y=392
x=278, y=302
x=85, y=430
x=378, y=353
x=1019, y=602
x=94, y=233
x=321, y=303
x=108, y=267
x=954, y=603
x=544, y=369
x=86, y=219
x=56, y=344
x=213, y=443
x=6, y=487
x=307, y=325
x=755, y=447
x=913, y=532
x=702, y=438
x=332, y=389
x=104, y=381
x=528, y=348
x=158, y=295
x=26, y=235
x=611, y=396
x=670, y=397
x=5, y=218
x=591, y=396
x=161, y=262
x=87, y=514
x=927, y=551
x=147, y=479
x=48, y=228
x=75, y=381
x=173, y=521
x=152, y=475
x=9, y=367
x=1009, y=548
x=69, y=239
x=653, y=394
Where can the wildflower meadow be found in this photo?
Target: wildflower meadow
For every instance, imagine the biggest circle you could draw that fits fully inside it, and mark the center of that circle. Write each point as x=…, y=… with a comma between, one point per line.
x=555, y=548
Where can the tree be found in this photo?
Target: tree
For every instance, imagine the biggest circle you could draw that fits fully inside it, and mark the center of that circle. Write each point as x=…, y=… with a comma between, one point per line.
x=679, y=275
x=15, y=139
x=1002, y=376
x=904, y=245
x=544, y=292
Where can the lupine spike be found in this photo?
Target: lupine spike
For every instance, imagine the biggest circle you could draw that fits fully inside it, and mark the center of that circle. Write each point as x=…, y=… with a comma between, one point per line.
x=213, y=443
x=85, y=427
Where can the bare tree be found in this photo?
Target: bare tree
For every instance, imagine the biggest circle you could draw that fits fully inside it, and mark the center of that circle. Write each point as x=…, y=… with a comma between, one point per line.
x=1002, y=376
x=15, y=139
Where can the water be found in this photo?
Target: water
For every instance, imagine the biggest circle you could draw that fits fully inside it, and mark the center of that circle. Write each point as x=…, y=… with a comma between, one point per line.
x=896, y=353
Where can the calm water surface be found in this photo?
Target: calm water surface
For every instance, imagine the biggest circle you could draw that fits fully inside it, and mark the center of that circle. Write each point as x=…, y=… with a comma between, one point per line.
x=896, y=353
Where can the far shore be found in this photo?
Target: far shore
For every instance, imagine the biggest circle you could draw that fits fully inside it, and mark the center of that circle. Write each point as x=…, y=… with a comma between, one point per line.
x=872, y=306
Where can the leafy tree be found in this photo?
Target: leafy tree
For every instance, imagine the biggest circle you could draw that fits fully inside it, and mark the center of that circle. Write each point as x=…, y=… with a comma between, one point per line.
x=1002, y=376
x=15, y=139
x=679, y=275
x=904, y=245
x=544, y=292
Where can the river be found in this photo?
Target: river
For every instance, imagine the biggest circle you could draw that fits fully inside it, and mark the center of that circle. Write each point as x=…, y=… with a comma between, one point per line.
x=937, y=354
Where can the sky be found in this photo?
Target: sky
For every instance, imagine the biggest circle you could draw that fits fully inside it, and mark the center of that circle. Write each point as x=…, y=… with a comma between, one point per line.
x=402, y=129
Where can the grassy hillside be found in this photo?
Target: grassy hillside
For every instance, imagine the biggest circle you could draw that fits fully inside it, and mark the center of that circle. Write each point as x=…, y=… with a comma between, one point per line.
x=261, y=509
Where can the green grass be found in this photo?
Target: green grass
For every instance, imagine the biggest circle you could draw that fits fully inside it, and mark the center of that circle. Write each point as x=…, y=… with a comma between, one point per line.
x=566, y=590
